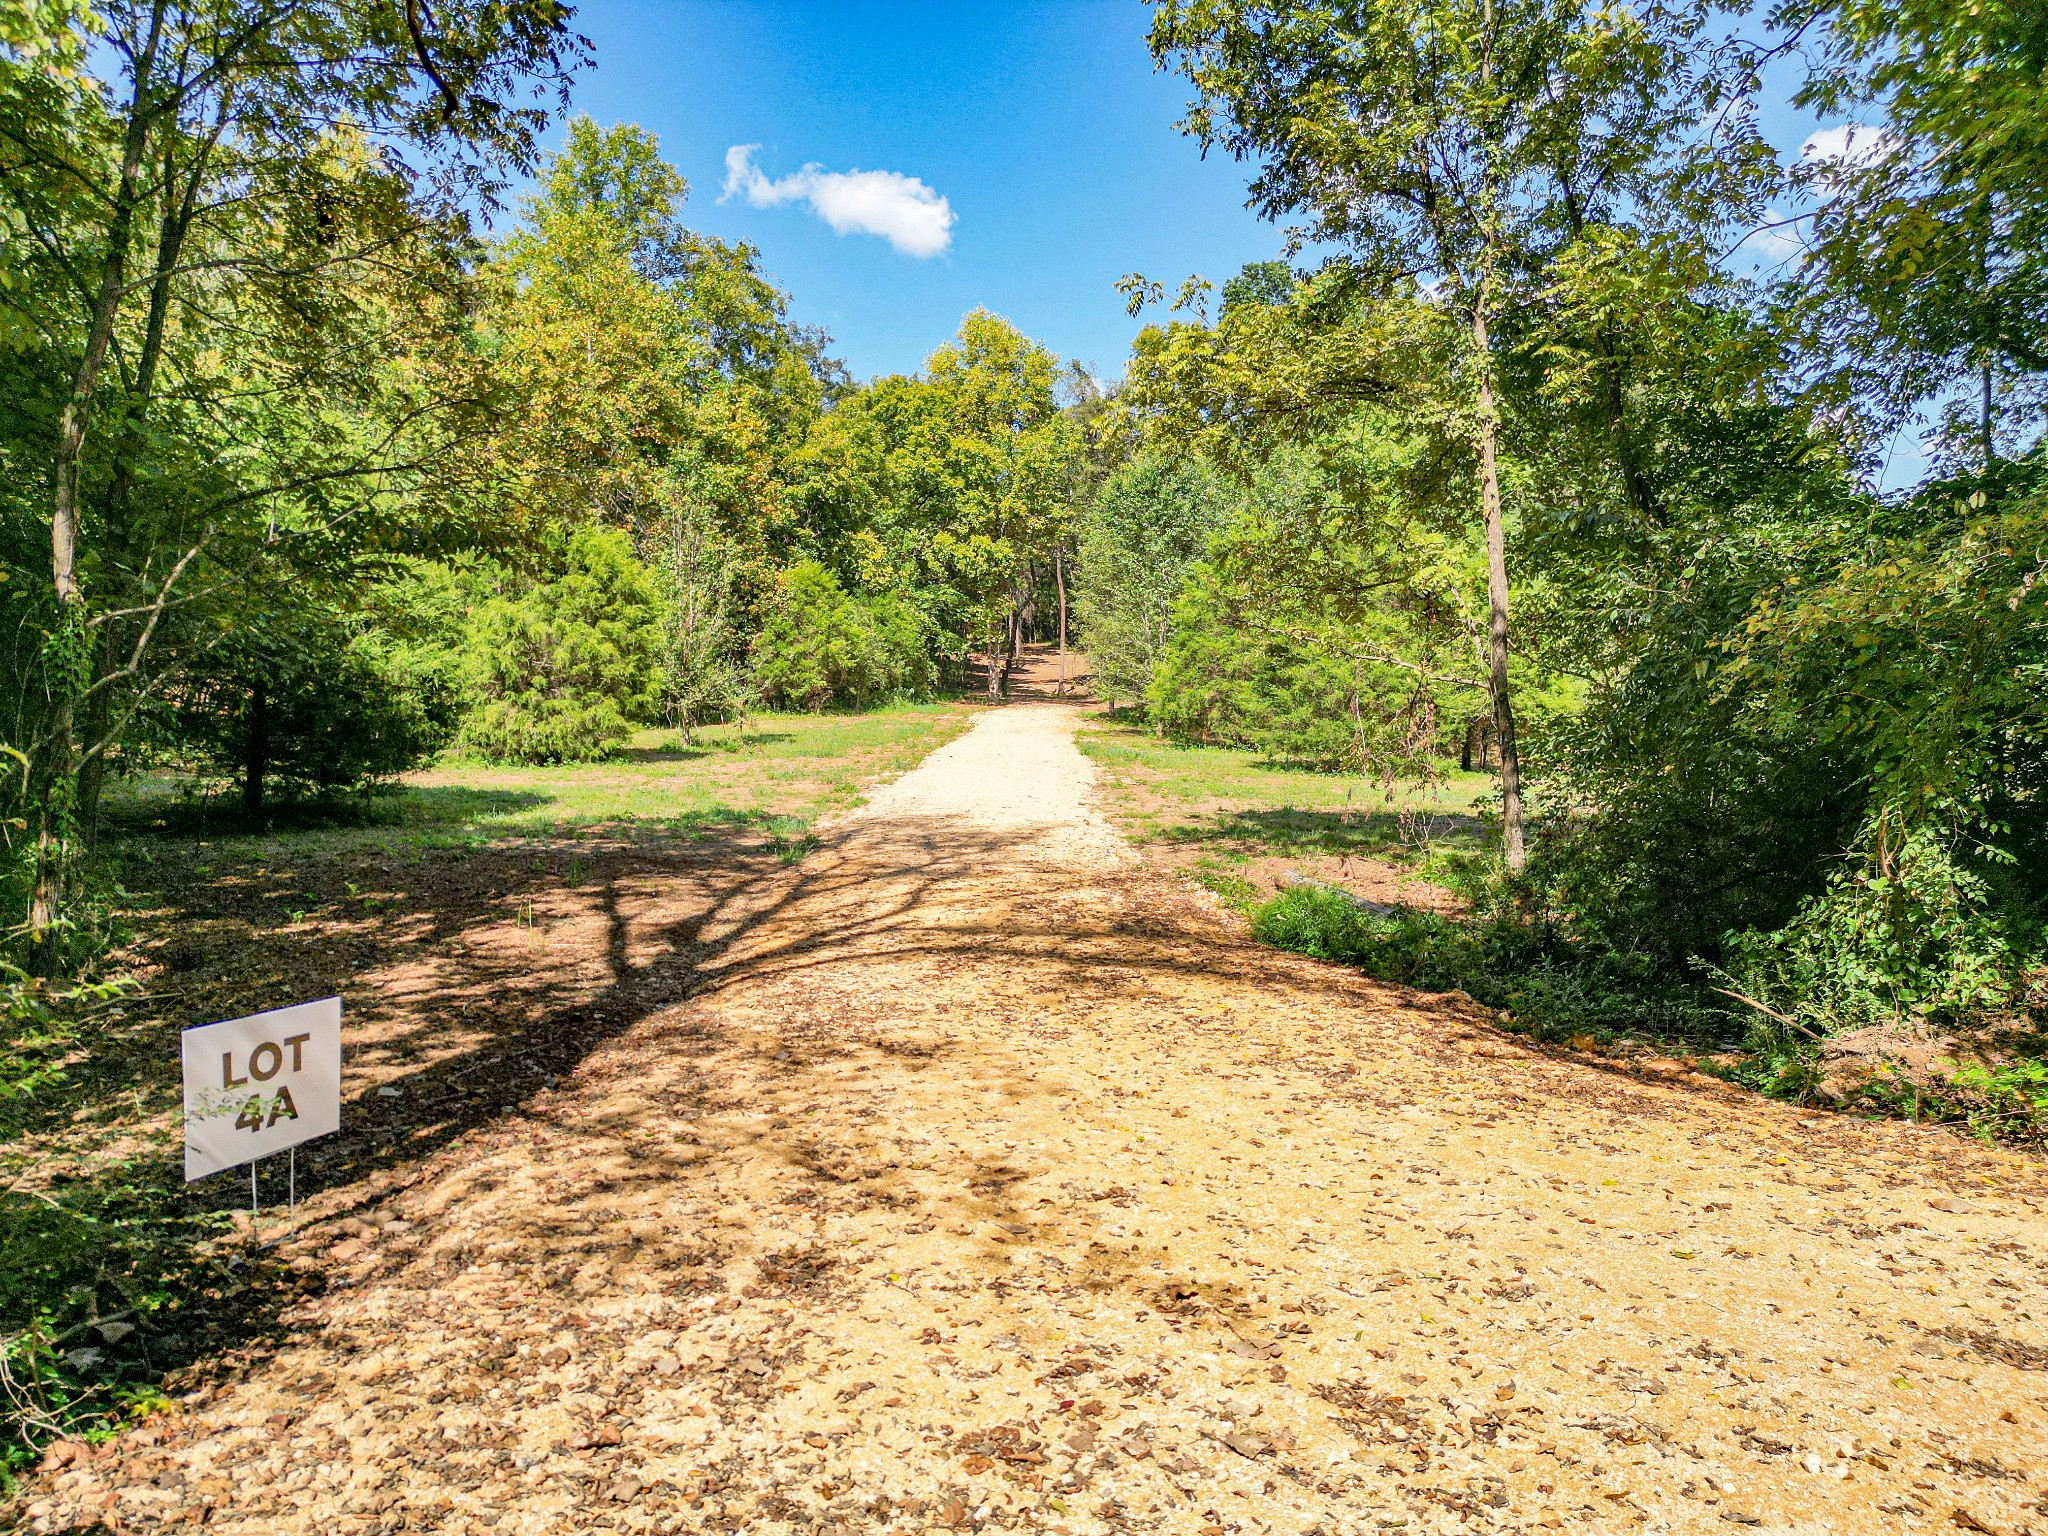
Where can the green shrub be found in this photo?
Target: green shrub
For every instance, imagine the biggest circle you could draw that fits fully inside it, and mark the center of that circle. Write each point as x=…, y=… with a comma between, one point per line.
x=317, y=711
x=1911, y=932
x=1217, y=683
x=1500, y=955
x=1147, y=525
x=822, y=646
x=1413, y=947
x=562, y=673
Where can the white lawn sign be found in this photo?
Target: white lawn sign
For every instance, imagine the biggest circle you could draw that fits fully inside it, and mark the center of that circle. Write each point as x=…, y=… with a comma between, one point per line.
x=258, y=1085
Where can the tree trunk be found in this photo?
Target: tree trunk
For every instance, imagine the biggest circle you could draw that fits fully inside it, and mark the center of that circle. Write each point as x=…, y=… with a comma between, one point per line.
x=1477, y=754
x=56, y=814
x=77, y=414
x=1059, y=576
x=99, y=712
x=1488, y=433
x=256, y=752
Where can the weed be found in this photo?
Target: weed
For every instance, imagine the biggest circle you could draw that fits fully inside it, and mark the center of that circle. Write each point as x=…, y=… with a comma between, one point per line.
x=1236, y=892
x=1550, y=986
x=793, y=850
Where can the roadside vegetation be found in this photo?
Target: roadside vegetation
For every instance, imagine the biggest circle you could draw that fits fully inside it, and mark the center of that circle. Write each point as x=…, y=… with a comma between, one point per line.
x=1524, y=477
x=1241, y=823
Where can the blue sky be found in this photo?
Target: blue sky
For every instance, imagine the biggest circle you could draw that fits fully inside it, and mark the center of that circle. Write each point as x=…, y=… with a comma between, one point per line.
x=1041, y=124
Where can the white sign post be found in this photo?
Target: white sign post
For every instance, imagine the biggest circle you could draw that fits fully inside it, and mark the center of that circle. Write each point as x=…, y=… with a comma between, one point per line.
x=260, y=1085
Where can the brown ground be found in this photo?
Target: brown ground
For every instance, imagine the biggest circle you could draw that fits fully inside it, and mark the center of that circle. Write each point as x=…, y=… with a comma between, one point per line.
x=972, y=1175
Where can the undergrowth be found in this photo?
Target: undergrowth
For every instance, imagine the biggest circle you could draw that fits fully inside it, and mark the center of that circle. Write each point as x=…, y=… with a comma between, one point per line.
x=82, y=1262
x=1548, y=985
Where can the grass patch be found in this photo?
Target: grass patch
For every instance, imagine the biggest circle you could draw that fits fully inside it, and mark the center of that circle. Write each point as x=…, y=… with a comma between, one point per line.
x=1235, y=821
x=802, y=766
x=1227, y=795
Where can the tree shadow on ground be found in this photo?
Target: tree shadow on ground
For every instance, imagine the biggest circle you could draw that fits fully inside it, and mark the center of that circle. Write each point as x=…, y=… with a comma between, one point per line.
x=471, y=979
x=474, y=980
x=178, y=814
x=1334, y=834
x=680, y=751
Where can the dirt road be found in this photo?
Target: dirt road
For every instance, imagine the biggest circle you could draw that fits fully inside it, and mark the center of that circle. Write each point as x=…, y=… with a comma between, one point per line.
x=977, y=1177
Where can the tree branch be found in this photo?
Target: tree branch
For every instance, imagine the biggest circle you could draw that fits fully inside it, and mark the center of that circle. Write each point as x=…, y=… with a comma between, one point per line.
x=451, y=104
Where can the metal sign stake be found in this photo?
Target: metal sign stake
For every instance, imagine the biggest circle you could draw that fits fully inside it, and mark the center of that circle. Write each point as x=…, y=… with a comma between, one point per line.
x=252, y=1199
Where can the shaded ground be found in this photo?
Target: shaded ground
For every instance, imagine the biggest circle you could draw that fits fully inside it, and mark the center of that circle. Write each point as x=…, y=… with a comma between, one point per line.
x=1241, y=824
x=972, y=1175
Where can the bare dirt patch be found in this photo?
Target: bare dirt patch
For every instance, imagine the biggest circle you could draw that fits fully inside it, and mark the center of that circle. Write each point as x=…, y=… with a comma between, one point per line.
x=970, y=1176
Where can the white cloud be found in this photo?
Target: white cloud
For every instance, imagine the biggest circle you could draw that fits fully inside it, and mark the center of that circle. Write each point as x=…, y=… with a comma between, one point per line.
x=901, y=209
x=1850, y=144
x=1784, y=245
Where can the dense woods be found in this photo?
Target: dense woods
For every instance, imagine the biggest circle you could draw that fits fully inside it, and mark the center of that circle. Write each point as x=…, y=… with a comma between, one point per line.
x=345, y=426
x=1518, y=466
x=344, y=479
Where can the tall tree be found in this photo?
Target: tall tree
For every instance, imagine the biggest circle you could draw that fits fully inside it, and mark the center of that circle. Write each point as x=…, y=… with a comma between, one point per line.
x=953, y=482
x=651, y=367
x=1462, y=143
x=1931, y=228
x=278, y=181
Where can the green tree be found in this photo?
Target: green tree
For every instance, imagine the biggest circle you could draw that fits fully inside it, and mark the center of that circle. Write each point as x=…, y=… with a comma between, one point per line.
x=216, y=260
x=704, y=671
x=563, y=672
x=1138, y=538
x=652, y=367
x=301, y=702
x=1929, y=279
x=1346, y=580
x=1462, y=141
x=820, y=645
x=953, y=485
